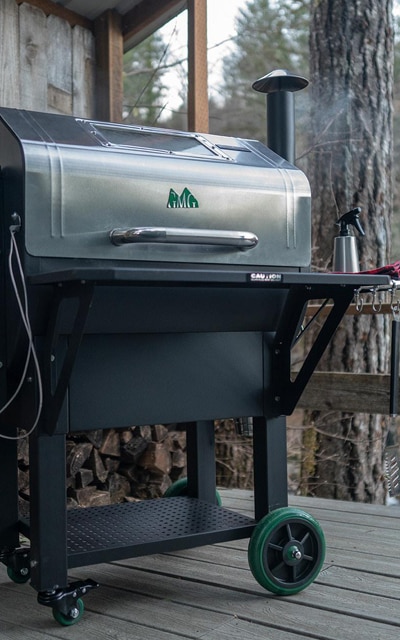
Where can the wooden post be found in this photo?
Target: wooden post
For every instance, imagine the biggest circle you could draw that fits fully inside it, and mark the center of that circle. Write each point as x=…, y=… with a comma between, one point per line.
x=197, y=54
x=109, y=66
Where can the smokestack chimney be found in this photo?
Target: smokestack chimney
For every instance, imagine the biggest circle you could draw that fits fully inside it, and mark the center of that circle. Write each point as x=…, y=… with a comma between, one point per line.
x=279, y=85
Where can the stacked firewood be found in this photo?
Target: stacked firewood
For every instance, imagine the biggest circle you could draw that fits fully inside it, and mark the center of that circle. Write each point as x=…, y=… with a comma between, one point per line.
x=110, y=466
x=106, y=467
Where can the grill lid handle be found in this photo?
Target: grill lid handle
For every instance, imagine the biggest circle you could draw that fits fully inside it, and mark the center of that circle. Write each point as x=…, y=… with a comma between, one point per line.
x=237, y=239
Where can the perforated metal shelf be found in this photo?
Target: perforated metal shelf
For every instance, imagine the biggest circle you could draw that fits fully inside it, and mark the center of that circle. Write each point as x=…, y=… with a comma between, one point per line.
x=103, y=534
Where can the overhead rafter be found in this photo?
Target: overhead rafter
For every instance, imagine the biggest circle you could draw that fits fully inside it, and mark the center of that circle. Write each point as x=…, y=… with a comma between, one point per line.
x=146, y=17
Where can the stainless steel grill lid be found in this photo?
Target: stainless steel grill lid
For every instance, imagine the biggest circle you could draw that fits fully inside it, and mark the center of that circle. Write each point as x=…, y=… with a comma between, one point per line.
x=115, y=192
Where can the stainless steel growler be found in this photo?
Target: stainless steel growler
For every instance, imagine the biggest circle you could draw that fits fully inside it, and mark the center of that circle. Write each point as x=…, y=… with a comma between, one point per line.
x=345, y=254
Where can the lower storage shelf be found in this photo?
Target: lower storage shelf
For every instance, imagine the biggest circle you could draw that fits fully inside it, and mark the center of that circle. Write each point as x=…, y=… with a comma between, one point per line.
x=106, y=533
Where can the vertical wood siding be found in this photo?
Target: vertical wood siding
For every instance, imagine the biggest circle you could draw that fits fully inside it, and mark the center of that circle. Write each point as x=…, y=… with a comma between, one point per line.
x=59, y=74
x=31, y=52
x=45, y=64
x=83, y=72
x=9, y=56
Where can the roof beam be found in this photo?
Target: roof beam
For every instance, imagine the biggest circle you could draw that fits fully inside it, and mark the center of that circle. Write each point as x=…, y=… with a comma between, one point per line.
x=146, y=17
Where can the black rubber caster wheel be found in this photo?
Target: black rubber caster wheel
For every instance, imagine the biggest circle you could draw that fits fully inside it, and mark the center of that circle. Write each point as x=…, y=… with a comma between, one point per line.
x=179, y=488
x=286, y=551
x=73, y=616
x=20, y=577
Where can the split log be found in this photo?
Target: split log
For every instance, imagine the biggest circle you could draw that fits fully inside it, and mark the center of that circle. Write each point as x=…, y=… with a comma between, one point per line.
x=118, y=487
x=125, y=436
x=112, y=464
x=132, y=450
x=99, y=470
x=23, y=482
x=77, y=456
x=84, y=477
x=178, y=459
x=151, y=486
x=99, y=499
x=23, y=452
x=95, y=437
x=111, y=444
x=156, y=459
x=90, y=497
x=176, y=441
x=159, y=432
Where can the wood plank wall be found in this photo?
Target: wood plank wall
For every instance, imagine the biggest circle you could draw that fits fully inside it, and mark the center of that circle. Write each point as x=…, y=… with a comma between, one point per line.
x=45, y=63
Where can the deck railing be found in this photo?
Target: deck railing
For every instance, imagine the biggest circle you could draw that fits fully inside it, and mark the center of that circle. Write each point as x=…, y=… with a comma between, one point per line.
x=348, y=392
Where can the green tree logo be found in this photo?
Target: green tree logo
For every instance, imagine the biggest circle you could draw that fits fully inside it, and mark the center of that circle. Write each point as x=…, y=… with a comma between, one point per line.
x=184, y=201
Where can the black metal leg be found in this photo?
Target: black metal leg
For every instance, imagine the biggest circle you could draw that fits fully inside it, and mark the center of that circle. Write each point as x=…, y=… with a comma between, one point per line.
x=9, y=532
x=200, y=444
x=270, y=467
x=48, y=518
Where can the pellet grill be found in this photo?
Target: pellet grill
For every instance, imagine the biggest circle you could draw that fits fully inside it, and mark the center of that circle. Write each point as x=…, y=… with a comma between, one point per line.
x=166, y=278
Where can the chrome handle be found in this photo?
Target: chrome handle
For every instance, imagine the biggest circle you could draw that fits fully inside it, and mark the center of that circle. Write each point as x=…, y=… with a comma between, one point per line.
x=238, y=239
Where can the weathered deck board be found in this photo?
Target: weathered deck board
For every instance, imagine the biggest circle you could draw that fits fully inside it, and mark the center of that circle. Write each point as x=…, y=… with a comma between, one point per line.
x=209, y=592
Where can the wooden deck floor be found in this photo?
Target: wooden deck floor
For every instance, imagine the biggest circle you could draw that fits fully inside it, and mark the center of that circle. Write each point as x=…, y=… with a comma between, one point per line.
x=209, y=592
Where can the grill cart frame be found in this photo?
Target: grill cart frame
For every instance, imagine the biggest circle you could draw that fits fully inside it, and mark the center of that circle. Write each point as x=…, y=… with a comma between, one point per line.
x=61, y=540
x=166, y=281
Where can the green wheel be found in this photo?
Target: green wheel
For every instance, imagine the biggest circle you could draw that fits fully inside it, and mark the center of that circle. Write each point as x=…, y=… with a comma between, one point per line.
x=286, y=551
x=20, y=577
x=73, y=616
x=179, y=488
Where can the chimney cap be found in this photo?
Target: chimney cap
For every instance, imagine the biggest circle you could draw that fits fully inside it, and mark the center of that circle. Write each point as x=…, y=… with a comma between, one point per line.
x=280, y=80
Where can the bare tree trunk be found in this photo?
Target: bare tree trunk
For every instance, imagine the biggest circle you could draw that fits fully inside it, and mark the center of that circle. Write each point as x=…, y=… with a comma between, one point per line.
x=351, y=52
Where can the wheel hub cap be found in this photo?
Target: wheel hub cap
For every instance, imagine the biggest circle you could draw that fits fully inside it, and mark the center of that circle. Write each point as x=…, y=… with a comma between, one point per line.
x=293, y=552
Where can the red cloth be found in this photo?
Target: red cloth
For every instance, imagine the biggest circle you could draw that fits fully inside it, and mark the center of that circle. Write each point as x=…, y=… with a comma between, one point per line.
x=392, y=270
